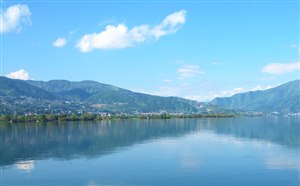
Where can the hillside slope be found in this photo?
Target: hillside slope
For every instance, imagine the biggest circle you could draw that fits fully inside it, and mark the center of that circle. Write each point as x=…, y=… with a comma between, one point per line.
x=61, y=96
x=114, y=98
x=19, y=88
x=284, y=98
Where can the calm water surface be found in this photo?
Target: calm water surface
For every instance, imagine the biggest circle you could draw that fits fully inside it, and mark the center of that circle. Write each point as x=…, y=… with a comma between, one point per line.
x=226, y=151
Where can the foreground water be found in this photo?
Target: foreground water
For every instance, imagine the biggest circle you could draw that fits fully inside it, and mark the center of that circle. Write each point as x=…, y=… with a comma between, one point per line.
x=219, y=151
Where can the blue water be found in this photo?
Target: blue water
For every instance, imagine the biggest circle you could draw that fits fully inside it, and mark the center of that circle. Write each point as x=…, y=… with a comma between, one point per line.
x=219, y=151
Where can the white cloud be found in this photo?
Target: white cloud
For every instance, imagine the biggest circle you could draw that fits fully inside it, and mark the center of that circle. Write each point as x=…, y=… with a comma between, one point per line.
x=281, y=68
x=189, y=71
x=60, y=42
x=170, y=24
x=210, y=95
x=13, y=16
x=237, y=90
x=201, y=91
x=20, y=74
x=119, y=36
x=259, y=87
x=163, y=91
x=228, y=93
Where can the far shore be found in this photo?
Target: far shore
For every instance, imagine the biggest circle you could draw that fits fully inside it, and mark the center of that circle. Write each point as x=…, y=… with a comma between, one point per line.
x=38, y=118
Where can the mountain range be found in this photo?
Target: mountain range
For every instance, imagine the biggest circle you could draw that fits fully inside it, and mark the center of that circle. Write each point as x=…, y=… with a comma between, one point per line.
x=62, y=96
x=284, y=98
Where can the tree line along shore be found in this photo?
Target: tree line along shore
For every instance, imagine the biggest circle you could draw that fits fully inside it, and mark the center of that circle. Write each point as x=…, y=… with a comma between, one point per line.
x=94, y=117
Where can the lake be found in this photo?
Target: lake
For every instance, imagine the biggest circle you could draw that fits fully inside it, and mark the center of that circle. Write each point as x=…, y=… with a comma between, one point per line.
x=209, y=151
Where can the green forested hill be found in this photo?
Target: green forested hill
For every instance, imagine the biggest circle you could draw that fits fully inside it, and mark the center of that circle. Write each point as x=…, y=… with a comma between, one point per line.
x=284, y=98
x=115, y=98
x=19, y=88
x=61, y=96
x=91, y=96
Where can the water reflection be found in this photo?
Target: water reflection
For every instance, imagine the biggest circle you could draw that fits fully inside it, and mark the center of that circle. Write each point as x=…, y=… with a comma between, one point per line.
x=23, y=143
x=283, y=162
x=25, y=166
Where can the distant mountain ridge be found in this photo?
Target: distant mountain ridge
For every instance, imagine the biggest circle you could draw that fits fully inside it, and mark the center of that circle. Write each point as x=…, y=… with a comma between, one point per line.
x=97, y=93
x=15, y=87
x=284, y=98
x=58, y=96
x=62, y=96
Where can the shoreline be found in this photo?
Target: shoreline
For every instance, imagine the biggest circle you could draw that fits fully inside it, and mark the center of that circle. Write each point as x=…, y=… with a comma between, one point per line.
x=39, y=118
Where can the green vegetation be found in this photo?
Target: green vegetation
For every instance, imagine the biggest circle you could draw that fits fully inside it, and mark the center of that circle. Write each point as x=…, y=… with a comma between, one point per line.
x=93, y=117
x=283, y=99
x=66, y=97
x=60, y=97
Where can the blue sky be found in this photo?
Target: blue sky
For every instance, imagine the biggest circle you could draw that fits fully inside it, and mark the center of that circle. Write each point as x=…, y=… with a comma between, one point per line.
x=197, y=49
